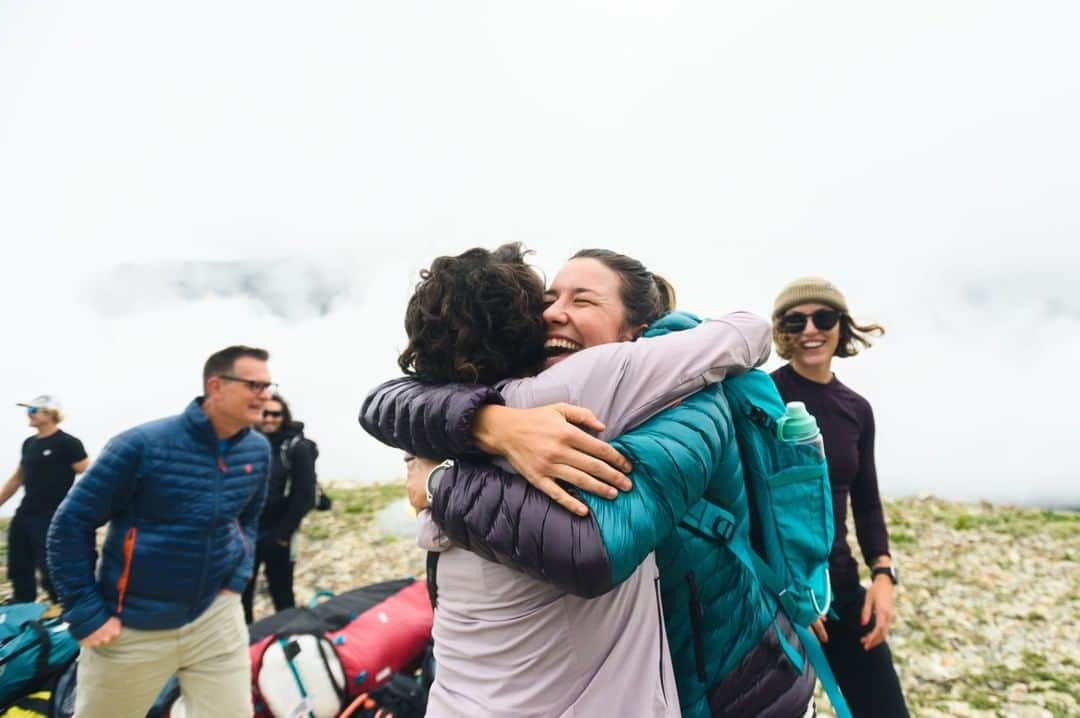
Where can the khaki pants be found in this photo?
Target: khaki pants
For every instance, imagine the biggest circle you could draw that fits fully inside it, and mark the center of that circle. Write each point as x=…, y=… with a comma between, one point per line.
x=209, y=657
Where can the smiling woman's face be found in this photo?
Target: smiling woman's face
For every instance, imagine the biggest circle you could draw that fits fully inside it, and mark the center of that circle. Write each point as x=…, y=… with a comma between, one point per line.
x=584, y=308
x=271, y=417
x=813, y=348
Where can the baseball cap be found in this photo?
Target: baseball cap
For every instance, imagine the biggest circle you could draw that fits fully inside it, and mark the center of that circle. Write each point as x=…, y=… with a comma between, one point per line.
x=43, y=401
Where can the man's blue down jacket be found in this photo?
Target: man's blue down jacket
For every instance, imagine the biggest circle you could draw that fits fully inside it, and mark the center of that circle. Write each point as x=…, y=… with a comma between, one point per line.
x=181, y=513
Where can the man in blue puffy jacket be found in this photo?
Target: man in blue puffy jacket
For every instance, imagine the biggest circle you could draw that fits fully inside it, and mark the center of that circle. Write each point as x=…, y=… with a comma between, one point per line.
x=181, y=496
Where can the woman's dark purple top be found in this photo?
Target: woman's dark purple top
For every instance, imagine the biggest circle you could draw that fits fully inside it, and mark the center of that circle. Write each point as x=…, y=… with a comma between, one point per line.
x=847, y=426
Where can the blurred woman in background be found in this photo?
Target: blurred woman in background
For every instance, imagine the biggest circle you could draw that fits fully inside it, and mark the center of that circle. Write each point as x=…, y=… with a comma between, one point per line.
x=290, y=495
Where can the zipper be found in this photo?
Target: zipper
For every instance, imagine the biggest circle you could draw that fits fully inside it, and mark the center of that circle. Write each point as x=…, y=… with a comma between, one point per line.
x=125, y=575
x=660, y=633
x=219, y=479
x=243, y=538
x=696, y=615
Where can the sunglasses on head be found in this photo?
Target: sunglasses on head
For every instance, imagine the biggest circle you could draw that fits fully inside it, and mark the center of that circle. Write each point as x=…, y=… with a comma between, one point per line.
x=272, y=414
x=795, y=322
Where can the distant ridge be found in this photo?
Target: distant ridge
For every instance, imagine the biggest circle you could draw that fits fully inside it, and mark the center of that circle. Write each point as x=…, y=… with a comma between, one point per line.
x=288, y=287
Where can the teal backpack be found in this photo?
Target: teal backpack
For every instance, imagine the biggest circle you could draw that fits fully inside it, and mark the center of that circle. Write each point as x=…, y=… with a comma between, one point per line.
x=33, y=649
x=791, y=512
x=790, y=497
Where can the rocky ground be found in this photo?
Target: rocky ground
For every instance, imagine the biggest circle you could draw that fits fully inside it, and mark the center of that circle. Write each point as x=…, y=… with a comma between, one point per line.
x=988, y=611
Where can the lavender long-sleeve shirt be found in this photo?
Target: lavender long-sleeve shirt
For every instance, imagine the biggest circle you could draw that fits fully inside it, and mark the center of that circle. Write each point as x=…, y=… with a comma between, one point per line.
x=509, y=645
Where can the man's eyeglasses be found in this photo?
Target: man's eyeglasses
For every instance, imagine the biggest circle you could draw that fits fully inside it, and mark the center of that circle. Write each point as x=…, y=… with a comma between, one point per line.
x=273, y=414
x=258, y=387
x=31, y=410
x=795, y=322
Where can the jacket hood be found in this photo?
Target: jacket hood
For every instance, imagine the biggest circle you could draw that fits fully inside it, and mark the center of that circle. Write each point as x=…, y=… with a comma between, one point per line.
x=672, y=322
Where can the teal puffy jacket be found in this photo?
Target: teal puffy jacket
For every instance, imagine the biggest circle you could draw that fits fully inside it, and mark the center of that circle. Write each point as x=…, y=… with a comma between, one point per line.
x=718, y=615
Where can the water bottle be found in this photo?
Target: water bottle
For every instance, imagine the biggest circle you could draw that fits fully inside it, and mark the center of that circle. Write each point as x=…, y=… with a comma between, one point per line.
x=798, y=426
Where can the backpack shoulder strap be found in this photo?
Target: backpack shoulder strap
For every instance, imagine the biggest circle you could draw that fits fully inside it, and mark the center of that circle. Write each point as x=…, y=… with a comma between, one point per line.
x=286, y=447
x=824, y=671
x=717, y=524
x=432, y=577
x=712, y=522
x=45, y=642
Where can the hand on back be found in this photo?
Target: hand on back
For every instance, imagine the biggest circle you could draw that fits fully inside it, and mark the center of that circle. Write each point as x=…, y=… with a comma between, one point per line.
x=550, y=443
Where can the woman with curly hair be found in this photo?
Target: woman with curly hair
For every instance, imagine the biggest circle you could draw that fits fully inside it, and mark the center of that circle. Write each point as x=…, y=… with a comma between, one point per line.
x=544, y=612
x=446, y=340
x=811, y=325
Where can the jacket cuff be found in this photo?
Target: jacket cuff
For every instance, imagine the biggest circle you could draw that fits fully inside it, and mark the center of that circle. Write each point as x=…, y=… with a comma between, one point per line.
x=876, y=554
x=428, y=534
x=237, y=583
x=81, y=629
x=459, y=432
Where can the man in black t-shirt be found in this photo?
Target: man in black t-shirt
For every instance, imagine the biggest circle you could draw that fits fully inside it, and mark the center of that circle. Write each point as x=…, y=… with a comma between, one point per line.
x=50, y=460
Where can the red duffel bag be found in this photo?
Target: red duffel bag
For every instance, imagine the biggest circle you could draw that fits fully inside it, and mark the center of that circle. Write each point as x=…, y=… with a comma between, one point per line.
x=375, y=630
x=386, y=638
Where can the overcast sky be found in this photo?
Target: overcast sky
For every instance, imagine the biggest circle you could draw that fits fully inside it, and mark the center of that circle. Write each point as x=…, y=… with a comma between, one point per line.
x=922, y=155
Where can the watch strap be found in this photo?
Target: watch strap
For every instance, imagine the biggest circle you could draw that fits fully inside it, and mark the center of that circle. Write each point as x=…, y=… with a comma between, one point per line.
x=885, y=570
x=434, y=476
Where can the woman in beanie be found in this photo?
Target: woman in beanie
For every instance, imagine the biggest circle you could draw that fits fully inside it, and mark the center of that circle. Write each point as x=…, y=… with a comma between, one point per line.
x=811, y=325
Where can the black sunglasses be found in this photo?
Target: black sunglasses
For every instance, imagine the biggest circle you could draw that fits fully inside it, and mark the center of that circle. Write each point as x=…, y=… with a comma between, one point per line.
x=795, y=322
x=273, y=414
x=256, y=386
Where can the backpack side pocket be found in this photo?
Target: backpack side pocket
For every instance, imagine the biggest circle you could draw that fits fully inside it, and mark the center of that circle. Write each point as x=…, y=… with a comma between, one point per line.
x=799, y=508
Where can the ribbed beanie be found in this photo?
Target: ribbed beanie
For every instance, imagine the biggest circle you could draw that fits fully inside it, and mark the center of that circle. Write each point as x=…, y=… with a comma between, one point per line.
x=809, y=289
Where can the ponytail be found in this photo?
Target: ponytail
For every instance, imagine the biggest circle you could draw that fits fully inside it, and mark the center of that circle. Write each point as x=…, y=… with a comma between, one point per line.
x=645, y=296
x=667, y=293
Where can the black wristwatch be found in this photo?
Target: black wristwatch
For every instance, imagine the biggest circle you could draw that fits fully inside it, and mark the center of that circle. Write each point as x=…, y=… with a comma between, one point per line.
x=889, y=571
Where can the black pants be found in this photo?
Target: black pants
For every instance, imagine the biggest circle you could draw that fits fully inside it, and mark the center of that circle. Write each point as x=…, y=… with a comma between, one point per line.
x=279, y=574
x=26, y=556
x=866, y=678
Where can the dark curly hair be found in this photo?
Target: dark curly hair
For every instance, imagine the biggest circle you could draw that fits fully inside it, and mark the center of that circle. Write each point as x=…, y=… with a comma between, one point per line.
x=476, y=318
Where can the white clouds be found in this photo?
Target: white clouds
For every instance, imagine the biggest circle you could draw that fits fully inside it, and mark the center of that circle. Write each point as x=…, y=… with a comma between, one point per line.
x=290, y=288
x=913, y=153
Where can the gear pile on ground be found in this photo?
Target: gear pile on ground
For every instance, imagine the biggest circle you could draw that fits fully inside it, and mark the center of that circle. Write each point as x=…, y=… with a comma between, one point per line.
x=988, y=608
